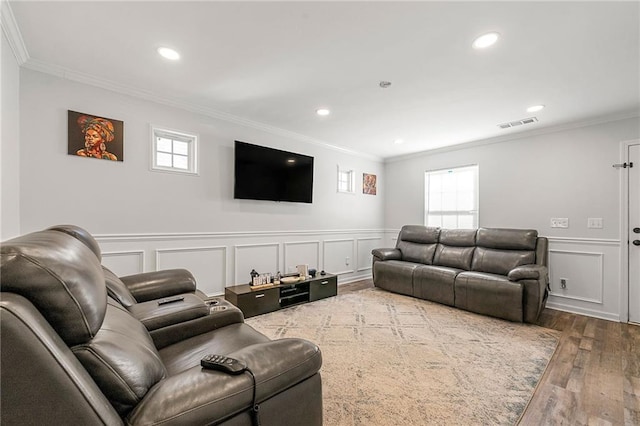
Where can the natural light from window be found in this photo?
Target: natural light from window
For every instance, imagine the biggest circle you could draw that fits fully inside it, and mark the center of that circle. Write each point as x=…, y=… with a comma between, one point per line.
x=346, y=181
x=451, y=198
x=174, y=151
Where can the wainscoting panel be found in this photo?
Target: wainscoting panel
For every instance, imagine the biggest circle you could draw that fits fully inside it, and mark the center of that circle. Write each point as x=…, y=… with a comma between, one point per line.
x=364, y=247
x=591, y=268
x=339, y=256
x=301, y=253
x=261, y=257
x=207, y=264
x=123, y=263
x=222, y=259
x=586, y=270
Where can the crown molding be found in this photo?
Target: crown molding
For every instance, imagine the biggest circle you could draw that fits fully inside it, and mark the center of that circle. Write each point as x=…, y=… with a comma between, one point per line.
x=12, y=32
x=72, y=75
x=624, y=115
x=232, y=234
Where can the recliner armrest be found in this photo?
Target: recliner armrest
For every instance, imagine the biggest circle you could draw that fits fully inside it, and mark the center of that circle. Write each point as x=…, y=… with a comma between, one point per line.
x=229, y=314
x=158, y=284
x=387, y=254
x=527, y=272
x=154, y=315
x=214, y=396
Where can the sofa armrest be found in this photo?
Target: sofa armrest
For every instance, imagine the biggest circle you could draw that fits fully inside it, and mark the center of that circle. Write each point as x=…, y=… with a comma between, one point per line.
x=158, y=284
x=155, y=315
x=387, y=254
x=220, y=315
x=528, y=272
x=199, y=396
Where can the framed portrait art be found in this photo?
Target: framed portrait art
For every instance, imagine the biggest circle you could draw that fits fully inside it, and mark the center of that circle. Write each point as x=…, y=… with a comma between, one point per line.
x=369, y=184
x=95, y=137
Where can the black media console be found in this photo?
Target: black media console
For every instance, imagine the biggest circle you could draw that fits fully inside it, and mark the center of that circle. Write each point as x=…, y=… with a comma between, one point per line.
x=255, y=302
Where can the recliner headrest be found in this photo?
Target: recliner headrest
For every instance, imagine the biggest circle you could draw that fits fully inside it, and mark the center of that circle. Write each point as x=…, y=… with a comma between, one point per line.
x=61, y=277
x=82, y=235
x=419, y=234
x=507, y=239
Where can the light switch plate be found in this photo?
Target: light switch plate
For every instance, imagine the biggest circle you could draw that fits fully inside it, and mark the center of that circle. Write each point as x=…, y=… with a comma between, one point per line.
x=559, y=222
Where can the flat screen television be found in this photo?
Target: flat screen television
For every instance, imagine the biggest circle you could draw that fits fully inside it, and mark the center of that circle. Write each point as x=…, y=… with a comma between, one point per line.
x=263, y=173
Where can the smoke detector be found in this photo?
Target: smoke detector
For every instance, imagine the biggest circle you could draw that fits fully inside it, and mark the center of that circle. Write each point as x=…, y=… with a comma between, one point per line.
x=518, y=123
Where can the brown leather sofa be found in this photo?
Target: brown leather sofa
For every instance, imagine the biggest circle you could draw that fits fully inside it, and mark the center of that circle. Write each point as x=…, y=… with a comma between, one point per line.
x=497, y=272
x=71, y=354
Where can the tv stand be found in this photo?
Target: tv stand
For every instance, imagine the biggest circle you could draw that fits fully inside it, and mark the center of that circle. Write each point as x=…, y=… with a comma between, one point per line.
x=254, y=302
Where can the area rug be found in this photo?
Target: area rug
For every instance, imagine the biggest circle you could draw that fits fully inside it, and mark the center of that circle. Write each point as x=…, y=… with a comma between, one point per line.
x=390, y=359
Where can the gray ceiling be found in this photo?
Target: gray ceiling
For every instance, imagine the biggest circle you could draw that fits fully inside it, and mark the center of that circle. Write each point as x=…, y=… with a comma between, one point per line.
x=272, y=64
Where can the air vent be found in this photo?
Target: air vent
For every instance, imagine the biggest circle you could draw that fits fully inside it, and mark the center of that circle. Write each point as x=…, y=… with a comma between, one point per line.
x=518, y=123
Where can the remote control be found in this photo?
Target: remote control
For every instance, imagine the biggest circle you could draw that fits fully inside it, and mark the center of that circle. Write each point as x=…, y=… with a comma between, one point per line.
x=170, y=300
x=223, y=363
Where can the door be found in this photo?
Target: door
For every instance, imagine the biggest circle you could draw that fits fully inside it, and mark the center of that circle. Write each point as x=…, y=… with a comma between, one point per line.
x=634, y=232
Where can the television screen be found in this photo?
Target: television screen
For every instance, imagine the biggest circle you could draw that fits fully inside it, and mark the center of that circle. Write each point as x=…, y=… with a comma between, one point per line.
x=263, y=173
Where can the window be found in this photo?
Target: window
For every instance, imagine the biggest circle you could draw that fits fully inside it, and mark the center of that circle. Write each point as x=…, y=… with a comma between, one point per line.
x=174, y=151
x=451, y=198
x=346, y=183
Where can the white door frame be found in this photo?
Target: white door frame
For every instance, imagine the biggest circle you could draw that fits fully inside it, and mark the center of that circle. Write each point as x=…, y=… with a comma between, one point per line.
x=624, y=230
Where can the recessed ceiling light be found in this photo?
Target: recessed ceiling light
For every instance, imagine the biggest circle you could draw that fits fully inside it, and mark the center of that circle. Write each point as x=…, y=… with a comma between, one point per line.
x=168, y=53
x=398, y=141
x=323, y=111
x=535, y=108
x=485, y=40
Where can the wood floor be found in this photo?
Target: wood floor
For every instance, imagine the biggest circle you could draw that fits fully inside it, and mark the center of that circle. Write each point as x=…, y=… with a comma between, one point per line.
x=593, y=377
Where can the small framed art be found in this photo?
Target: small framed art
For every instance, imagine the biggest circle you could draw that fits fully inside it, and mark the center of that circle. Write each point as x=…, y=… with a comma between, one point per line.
x=95, y=137
x=369, y=184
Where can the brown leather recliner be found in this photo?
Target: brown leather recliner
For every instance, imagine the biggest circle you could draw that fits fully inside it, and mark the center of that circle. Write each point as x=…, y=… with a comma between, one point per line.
x=141, y=293
x=70, y=354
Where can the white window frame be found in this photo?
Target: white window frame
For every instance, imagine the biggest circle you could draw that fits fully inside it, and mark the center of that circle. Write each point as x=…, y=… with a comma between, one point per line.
x=350, y=181
x=175, y=135
x=473, y=212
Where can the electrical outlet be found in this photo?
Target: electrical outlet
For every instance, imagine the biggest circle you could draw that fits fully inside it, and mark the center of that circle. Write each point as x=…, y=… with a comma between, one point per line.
x=559, y=222
x=563, y=283
x=594, y=222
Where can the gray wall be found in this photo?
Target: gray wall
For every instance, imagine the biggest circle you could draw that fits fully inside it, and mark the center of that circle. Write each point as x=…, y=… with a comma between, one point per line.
x=9, y=149
x=524, y=182
x=126, y=197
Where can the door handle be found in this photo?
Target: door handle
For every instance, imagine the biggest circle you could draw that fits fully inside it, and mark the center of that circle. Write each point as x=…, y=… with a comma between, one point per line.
x=636, y=242
x=636, y=230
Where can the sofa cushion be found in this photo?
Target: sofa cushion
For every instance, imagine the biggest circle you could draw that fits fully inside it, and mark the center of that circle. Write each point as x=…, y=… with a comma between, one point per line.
x=454, y=257
x=500, y=261
x=435, y=283
x=187, y=353
x=81, y=235
x=418, y=243
x=419, y=234
x=122, y=359
x=489, y=294
x=61, y=276
x=507, y=239
x=458, y=237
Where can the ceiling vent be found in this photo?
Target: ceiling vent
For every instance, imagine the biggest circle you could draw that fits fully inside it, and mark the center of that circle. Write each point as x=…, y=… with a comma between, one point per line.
x=518, y=123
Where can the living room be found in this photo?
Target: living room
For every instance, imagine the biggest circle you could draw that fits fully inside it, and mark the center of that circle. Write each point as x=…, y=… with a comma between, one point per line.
x=145, y=220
